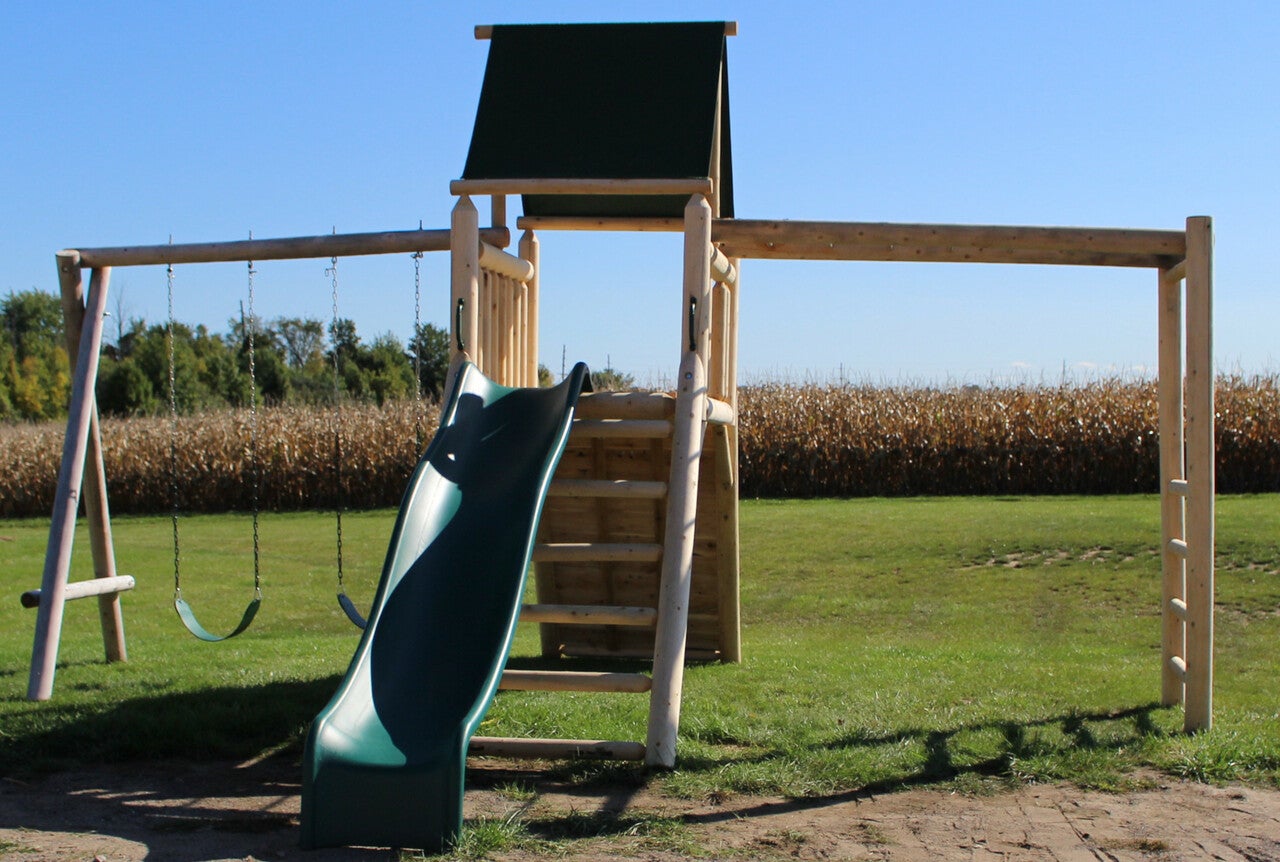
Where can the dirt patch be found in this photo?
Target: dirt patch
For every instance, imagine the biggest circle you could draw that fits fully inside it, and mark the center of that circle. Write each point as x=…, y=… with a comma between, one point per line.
x=225, y=811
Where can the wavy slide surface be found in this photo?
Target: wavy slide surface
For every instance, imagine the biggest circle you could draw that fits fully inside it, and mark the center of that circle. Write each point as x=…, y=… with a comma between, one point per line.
x=385, y=759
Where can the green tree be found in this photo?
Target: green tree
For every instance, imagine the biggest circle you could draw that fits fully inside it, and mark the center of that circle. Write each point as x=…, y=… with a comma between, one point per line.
x=125, y=390
x=431, y=350
x=7, y=358
x=270, y=372
x=33, y=319
x=310, y=371
x=611, y=380
x=302, y=340
x=35, y=376
x=388, y=370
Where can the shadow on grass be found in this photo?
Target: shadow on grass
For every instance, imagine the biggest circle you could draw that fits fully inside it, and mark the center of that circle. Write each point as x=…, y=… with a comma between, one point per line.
x=617, y=784
x=251, y=724
x=217, y=724
x=939, y=766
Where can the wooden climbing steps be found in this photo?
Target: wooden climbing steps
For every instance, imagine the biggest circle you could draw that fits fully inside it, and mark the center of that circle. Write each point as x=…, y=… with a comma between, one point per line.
x=598, y=560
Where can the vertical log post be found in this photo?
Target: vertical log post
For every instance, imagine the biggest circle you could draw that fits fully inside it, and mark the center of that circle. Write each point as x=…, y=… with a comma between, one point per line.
x=464, y=281
x=509, y=299
x=1200, y=475
x=491, y=285
x=529, y=250
x=498, y=211
x=97, y=513
x=57, y=561
x=522, y=334
x=671, y=636
x=730, y=562
x=717, y=353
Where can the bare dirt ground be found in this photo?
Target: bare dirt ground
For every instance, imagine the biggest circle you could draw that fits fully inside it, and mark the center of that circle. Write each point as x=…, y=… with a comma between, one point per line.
x=228, y=811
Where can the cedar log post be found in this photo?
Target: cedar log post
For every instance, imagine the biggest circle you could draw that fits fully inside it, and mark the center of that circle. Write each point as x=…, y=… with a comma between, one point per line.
x=1200, y=475
x=464, y=280
x=96, y=510
x=682, y=500
x=530, y=251
x=57, y=560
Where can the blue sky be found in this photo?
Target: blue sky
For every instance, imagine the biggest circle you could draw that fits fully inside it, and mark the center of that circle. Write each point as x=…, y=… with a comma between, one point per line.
x=126, y=123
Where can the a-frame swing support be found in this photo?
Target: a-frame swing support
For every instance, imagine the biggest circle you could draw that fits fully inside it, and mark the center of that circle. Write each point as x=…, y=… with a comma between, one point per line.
x=81, y=472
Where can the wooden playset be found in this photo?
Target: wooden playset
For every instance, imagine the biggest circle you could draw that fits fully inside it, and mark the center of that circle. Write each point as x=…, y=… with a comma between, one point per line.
x=628, y=130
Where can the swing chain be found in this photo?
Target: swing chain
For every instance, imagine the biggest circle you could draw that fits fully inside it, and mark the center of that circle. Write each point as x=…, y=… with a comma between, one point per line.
x=332, y=272
x=252, y=336
x=173, y=436
x=417, y=321
x=417, y=348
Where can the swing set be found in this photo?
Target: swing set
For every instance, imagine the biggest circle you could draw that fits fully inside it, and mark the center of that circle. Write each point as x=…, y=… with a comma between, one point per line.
x=637, y=548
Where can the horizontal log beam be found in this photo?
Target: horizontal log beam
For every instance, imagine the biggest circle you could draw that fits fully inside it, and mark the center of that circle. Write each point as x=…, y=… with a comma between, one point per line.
x=285, y=248
x=625, y=405
x=598, y=552
x=554, y=749
x=589, y=615
x=615, y=428
x=602, y=223
x=484, y=32
x=809, y=240
x=496, y=260
x=561, y=680
x=615, y=489
x=581, y=186
x=84, y=589
x=722, y=268
x=720, y=412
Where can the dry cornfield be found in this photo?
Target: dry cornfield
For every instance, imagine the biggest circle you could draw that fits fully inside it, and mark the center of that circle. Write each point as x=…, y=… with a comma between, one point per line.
x=839, y=441
x=214, y=463
x=795, y=441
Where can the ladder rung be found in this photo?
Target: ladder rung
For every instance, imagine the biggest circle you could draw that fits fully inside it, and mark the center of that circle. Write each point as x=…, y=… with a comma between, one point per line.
x=1177, y=547
x=1178, y=486
x=616, y=488
x=84, y=589
x=555, y=749
x=647, y=428
x=585, y=650
x=1179, y=666
x=597, y=552
x=1178, y=608
x=590, y=615
x=564, y=680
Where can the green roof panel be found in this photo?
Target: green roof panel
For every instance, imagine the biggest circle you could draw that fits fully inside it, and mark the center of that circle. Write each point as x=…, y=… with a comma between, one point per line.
x=604, y=101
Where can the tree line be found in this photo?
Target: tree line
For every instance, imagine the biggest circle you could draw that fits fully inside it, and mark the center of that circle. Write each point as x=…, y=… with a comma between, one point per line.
x=296, y=360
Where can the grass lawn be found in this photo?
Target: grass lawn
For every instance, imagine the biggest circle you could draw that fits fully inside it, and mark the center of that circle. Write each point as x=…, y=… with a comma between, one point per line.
x=964, y=642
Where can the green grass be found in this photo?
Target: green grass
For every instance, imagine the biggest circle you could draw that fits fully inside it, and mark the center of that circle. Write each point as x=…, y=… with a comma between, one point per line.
x=967, y=643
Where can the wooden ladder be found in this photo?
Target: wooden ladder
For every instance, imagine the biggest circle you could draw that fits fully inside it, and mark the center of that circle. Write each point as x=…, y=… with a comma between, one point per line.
x=599, y=560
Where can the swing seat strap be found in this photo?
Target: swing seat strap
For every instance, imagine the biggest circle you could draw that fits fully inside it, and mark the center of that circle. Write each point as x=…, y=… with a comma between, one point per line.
x=188, y=616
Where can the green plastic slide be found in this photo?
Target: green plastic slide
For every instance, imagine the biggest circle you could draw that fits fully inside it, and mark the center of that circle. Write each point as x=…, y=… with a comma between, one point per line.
x=385, y=759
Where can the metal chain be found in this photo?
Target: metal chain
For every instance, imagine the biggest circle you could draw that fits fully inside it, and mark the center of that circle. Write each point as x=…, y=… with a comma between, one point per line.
x=173, y=440
x=252, y=336
x=417, y=348
x=339, y=501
